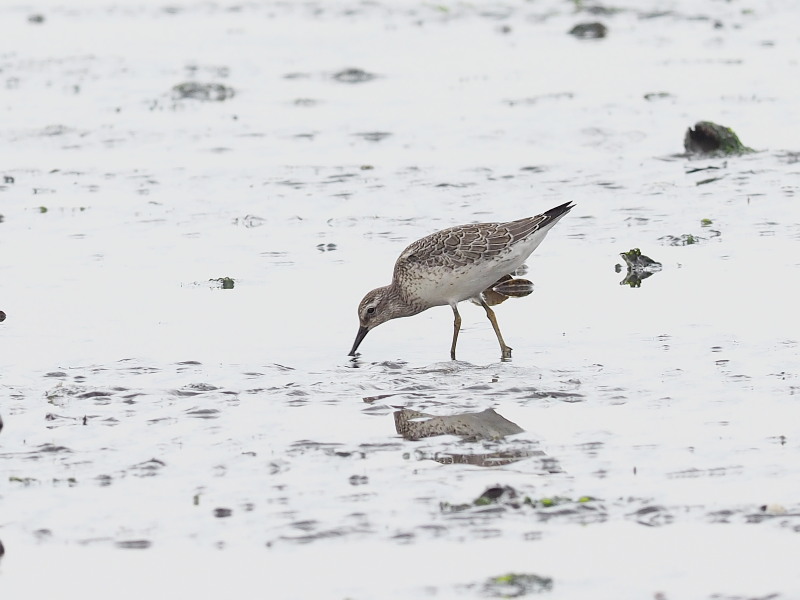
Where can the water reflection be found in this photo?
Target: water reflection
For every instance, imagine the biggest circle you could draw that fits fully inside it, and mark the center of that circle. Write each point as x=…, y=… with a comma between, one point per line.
x=485, y=425
x=480, y=426
x=498, y=458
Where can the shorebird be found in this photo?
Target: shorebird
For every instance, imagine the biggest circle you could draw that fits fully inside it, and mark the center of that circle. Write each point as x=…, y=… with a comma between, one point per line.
x=452, y=265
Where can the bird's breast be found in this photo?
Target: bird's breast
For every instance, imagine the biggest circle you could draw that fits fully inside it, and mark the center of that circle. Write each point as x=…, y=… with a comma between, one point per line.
x=436, y=286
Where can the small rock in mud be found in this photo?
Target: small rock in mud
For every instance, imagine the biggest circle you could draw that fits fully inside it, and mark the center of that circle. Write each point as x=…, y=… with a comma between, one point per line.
x=353, y=76
x=498, y=493
x=589, y=31
x=657, y=96
x=502, y=495
x=414, y=425
x=639, y=267
x=226, y=283
x=636, y=260
x=687, y=239
x=373, y=136
x=710, y=139
x=2, y=316
x=515, y=585
x=205, y=92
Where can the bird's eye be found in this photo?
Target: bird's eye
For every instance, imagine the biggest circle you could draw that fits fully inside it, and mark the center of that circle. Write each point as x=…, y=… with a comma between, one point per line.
x=370, y=310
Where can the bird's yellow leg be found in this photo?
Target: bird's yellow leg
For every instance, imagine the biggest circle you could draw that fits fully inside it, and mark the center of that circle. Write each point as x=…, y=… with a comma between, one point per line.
x=506, y=350
x=456, y=328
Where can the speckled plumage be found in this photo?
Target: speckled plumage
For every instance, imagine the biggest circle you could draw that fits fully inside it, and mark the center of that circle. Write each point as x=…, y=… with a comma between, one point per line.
x=452, y=265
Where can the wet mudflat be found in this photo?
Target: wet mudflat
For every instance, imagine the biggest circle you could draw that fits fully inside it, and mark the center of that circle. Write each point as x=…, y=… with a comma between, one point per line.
x=166, y=429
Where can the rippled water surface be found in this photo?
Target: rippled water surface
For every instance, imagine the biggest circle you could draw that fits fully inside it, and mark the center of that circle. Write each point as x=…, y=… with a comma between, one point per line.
x=163, y=435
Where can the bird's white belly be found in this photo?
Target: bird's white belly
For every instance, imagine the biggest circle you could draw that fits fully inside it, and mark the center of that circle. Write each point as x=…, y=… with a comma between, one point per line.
x=448, y=286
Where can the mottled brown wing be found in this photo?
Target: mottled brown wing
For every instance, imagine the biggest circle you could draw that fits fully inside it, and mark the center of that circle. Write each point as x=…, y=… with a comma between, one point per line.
x=490, y=296
x=522, y=228
x=467, y=244
x=503, y=289
x=513, y=288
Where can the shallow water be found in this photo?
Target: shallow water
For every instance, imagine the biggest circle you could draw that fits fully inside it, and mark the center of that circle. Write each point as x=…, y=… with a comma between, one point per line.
x=161, y=433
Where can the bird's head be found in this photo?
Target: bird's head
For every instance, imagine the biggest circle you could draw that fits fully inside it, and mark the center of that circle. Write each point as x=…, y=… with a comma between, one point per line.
x=377, y=307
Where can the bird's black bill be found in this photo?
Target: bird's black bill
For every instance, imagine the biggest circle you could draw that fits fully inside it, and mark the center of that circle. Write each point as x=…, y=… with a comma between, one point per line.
x=362, y=333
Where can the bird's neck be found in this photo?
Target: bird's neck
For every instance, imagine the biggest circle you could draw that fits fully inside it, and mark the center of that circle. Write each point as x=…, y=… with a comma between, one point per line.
x=401, y=305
